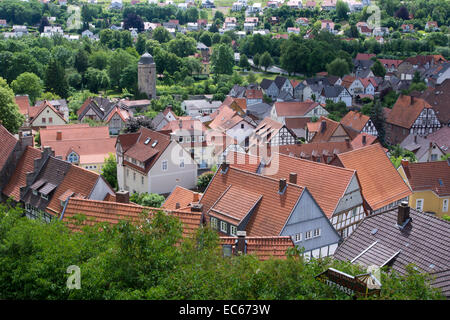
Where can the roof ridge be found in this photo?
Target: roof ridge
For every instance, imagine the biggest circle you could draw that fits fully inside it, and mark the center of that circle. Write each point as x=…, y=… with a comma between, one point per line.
x=266, y=177
x=317, y=163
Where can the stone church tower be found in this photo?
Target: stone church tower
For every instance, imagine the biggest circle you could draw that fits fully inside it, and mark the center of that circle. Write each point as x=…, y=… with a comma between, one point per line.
x=147, y=75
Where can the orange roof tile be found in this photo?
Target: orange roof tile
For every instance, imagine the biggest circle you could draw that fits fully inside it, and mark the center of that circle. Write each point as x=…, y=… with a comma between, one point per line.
x=77, y=181
x=73, y=132
x=123, y=114
x=18, y=179
x=243, y=161
x=182, y=196
x=24, y=104
x=263, y=247
x=381, y=184
x=7, y=144
x=324, y=135
x=36, y=111
x=113, y=212
x=294, y=108
x=306, y=150
x=406, y=110
x=358, y=141
x=355, y=120
x=433, y=176
x=273, y=210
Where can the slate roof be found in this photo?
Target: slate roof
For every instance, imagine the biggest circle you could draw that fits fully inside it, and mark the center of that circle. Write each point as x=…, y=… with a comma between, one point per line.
x=417, y=144
x=265, y=83
x=423, y=241
x=7, y=144
x=438, y=98
x=272, y=211
x=263, y=247
x=442, y=138
x=280, y=81
x=113, y=212
x=332, y=91
x=380, y=182
x=434, y=176
x=406, y=110
x=18, y=178
x=260, y=110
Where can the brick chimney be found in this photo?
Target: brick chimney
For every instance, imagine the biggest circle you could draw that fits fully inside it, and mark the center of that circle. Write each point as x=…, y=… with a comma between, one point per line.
x=241, y=245
x=123, y=196
x=364, y=140
x=403, y=213
x=58, y=135
x=293, y=178
x=405, y=163
x=282, y=186
x=196, y=197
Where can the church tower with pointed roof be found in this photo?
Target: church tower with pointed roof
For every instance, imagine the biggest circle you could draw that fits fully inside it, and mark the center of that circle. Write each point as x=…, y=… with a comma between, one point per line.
x=147, y=75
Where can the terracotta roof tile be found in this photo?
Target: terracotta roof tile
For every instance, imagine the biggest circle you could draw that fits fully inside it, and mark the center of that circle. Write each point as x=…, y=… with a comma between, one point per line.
x=381, y=184
x=182, y=196
x=305, y=150
x=7, y=144
x=18, y=179
x=433, y=176
x=34, y=112
x=285, y=109
x=24, y=104
x=355, y=120
x=73, y=132
x=273, y=210
x=263, y=247
x=406, y=110
x=324, y=135
x=297, y=123
x=358, y=141
x=113, y=212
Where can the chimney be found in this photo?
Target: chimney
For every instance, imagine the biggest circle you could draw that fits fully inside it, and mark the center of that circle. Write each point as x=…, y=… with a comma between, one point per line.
x=180, y=123
x=293, y=178
x=323, y=126
x=415, y=139
x=225, y=166
x=403, y=213
x=405, y=163
x=197, y=207
x=177, y=205
x=241, y=246
x=58, y=135
x=282, y=186
x=196, y=197
x=364, y=139
x=347, y=142
x=123, y=196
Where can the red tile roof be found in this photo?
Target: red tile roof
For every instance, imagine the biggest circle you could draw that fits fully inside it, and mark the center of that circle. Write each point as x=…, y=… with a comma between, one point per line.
x=355, y=120
x=285, y=109
x=18, y=179
x=184, y=197
x=406, y=110
x=253, y=94
x=263, y=247
x=243, y=161
x=227, y=118
x=24, y=104
x=72, y=132
x=434, y=176
x=78, y=182
x=306, y=150
x=380, y=182
x=358, y=141
x=272, y=211
x=34, y=112
x=191, y=125
x=123, y=114
x=7, y=144
x=324, y=135
x=364, y=56
x=113, y=212
x=297, y=123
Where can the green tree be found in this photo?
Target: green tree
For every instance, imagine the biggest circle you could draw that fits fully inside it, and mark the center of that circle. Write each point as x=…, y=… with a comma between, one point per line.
x=81, y=62
x=55, y=79
x=10, y=116
x=204, y=179
x=109, y=171
x=205, y=38
x=243, y=62
x=342, y=10
x=378, y=69
x=119, y=60
x=266, y=60
x=222, y=59
x=338, y=67
x=28, y=83
x=161, y=35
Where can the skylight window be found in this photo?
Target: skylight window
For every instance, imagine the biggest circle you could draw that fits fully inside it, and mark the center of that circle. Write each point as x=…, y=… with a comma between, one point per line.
x=154, y=143
x=146, y=142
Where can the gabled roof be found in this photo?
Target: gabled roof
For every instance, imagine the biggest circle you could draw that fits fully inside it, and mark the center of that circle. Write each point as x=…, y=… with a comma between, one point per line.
x=18, y=178
x=113, y=212
x=263, y=247
x=123, y=114
x=357, y=142
x=332, y=91
x=442, y=138
x=324, y=133
x=7, y=144
x=38, y=110
x=381, y=184
x=273, y=209
x=192, y=125
x=72, y=132
x=265, y=131
x=406, y=110
x=438, y=97
x=184, y=197
x=434, y=176
x=297, y=123
x=423, y=241
x=226, y=119
x=280, y=81
x=147, y=153
x=355, y=120
x=266, y=83
x=78, y=182
x=306, y=150
x=294, y=108
x=24, y=103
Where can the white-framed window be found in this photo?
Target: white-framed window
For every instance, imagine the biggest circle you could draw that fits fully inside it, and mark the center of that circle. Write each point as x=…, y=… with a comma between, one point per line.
x=214, y=223
x=445, y=205
x=233, y=230
x=434, y=157
x=298, y=237
x=308, y=235
x=223, y=226
x=316, y=233
x=419, y=204
x=164, y=165
x=181, y=163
